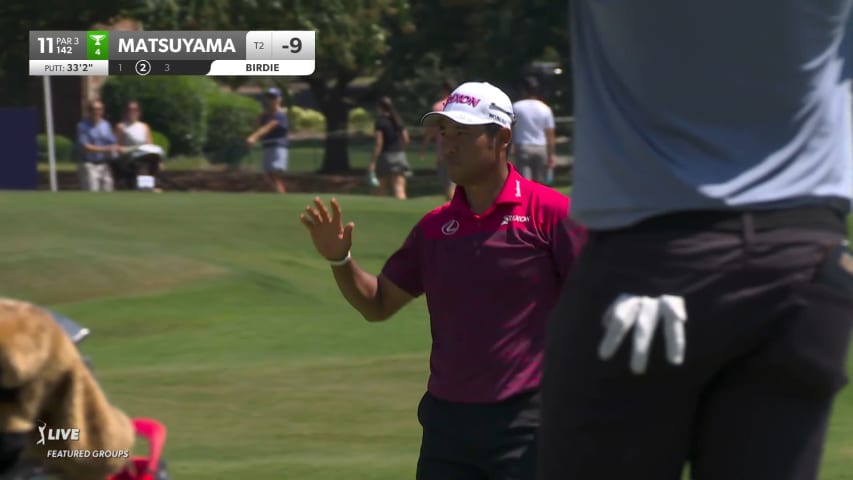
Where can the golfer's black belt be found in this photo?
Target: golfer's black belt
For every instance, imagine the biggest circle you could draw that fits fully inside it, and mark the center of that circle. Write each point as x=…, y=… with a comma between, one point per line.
x=815, y=217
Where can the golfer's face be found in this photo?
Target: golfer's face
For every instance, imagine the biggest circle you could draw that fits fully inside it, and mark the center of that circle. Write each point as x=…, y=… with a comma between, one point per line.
x=465, y=149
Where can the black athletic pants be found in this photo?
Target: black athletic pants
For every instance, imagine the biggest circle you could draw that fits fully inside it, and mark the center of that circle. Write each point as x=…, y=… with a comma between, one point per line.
x=769, y=300
x=479, y=441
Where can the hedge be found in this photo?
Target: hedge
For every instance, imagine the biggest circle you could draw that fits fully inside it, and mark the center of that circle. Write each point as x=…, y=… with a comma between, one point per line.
x=306, y=119
x=360, y=120
x=63, y=146
x=162, y=140
x=175, y=106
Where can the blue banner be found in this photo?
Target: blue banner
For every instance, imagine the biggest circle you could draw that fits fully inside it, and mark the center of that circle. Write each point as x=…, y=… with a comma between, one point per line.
x=18, y=149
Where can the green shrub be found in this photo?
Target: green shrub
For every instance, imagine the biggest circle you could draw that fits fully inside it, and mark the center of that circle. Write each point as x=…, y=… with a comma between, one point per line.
x=360, y=120
x=175, y=106
x=161, y=140
x=63, y=146
x=314, y=121
x=306, y=120
x=294, y=114
x=231, y=118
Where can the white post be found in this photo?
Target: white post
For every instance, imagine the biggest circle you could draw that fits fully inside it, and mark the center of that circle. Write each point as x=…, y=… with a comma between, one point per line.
x=48, y=114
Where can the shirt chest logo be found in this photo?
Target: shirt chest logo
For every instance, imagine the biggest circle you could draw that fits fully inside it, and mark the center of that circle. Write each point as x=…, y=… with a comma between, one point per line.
x=515, y=219
x=450, y=227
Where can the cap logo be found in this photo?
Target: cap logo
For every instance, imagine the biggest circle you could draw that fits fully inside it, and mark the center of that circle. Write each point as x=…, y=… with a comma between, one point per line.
x=464, y=99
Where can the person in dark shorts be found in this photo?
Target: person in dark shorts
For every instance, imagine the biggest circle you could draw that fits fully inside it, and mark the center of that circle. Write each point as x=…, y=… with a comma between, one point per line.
x=708, y=319
x=271, y=130
x=490, y=262
x=389, y=161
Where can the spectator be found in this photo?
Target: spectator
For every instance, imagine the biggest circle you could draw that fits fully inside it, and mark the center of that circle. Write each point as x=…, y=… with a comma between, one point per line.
x=272, y=129
x=533, y=138
x=98, y=146
x=389, y=155
x=133, y=132
x=431, y=133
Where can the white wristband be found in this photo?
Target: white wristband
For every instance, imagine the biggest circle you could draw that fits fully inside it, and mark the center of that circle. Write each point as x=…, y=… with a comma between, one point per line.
x=344, y=261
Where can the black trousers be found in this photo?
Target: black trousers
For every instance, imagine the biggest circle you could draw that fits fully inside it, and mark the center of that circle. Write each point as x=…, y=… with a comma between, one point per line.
x=769, y=299
x=479, y=441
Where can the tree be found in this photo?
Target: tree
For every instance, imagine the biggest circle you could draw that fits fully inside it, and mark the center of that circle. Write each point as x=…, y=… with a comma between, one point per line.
x=352, y=35
x=481, y=40
x=204, y=15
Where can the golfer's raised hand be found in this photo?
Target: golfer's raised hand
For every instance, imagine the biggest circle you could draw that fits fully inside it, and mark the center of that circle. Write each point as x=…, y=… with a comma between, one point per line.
x=332, y=239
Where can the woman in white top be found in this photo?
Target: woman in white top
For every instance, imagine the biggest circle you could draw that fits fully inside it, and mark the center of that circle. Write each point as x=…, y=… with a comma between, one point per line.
x=533, y=134
x=133, y=132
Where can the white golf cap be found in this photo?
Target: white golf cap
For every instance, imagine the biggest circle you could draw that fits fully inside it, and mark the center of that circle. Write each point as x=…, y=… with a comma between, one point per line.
x=475, y=103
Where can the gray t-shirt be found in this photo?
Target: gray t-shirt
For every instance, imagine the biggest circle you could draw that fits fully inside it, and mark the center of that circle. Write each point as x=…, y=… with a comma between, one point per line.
x=710, y=104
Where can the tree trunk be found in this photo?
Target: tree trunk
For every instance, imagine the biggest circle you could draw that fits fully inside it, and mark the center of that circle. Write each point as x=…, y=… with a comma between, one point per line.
x=336, y=151
x=335, y=106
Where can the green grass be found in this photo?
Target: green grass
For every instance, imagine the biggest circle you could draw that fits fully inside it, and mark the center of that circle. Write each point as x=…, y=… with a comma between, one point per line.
x=305, y=156
x=213, y=313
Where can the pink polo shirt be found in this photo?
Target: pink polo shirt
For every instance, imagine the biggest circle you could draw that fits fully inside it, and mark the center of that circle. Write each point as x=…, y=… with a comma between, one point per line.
x=490, y=281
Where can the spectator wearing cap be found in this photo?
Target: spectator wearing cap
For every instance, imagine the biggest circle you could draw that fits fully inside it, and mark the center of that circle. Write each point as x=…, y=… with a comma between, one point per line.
x=271, y=130
x=533, y=134
x=491, y=263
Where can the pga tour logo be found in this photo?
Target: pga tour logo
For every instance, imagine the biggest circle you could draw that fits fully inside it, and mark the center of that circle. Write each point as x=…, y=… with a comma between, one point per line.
x=57, y=433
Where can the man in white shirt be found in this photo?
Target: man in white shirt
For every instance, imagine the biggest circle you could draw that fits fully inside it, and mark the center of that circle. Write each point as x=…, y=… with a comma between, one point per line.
x=534, y=139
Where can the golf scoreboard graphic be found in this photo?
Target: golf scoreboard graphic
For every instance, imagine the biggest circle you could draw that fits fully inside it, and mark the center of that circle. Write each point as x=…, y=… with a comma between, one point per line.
x=213, y=53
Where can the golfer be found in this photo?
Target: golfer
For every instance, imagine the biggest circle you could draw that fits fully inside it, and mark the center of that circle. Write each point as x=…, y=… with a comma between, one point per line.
x=708, y=318
x=491, y=263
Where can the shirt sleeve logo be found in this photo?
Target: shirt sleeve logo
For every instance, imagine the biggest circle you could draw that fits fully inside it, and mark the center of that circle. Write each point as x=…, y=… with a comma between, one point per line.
x=450, y=227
